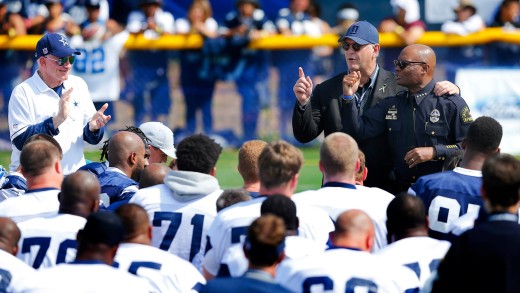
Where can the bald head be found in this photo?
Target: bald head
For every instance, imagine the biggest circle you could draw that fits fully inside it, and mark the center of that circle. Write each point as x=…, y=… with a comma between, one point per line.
x=419, y=73
x=136, y=223
x=9, y=236
x=153, y=174
x=128, y=153
x=79, y=194
x=355, y=229
x=339, y=155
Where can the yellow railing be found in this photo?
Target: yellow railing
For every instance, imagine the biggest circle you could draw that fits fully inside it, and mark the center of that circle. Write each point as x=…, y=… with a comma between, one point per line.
x=279, y=42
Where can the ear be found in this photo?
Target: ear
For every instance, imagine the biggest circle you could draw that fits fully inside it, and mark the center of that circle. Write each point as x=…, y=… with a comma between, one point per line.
x=369, y=241
x=294, y=181
x=365, y=174
x=498, y=151
x=95, y=206
x=358, y=165
x=213, y=171
x=14, y=251
x=57, y=167
x=377, y=49
x=427, y=224
x=320, y=166
x=132, y=159
x=113, y=251
x=150, y=232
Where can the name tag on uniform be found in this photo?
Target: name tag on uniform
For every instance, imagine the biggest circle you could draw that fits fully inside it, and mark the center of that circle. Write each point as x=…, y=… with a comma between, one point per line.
x=392, y=113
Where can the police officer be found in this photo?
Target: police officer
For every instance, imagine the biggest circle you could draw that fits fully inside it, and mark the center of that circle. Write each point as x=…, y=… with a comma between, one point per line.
x=422, y=128
x=251, y=71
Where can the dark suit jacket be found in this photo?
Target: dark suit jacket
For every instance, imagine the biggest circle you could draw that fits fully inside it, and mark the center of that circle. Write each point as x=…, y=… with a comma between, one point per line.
x=324, y=113
x=483, y=259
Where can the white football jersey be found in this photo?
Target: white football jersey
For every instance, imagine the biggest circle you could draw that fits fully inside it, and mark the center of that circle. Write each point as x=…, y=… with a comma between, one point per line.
x=421, y=254
x=336, y=200
x=231, y=225
x=345, y=270
x=296, y=247
x=12, y=270
x=179, y=227
x=98, y=65
x=33, y=101
x=164, y=271
x=47, y=242
x=34, y=203
x=85, y=276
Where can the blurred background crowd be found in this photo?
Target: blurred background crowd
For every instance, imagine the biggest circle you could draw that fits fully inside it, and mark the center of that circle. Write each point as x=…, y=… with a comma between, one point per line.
x=209, y=89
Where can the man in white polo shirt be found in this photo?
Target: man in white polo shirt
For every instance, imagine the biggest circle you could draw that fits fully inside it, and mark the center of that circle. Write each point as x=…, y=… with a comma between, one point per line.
x=56, y=103
x=161, y=141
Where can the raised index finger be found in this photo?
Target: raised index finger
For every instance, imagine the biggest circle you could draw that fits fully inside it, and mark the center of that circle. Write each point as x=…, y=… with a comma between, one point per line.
x=300, y=72
x=103, y=108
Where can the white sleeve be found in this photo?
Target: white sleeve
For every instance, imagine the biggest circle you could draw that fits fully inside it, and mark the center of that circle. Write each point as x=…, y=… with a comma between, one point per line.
x=20, y=113
x=135, y=22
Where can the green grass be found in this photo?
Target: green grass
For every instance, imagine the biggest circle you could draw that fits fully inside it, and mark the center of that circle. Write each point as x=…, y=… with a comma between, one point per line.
x=227, y=174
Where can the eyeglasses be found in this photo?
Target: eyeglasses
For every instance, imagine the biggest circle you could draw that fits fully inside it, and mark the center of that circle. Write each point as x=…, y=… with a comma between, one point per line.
x=63, y=61
x=403, y=64
x=355, y=46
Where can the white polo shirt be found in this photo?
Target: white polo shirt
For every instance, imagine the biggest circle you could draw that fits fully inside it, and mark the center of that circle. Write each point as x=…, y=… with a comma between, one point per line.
x=33, y=101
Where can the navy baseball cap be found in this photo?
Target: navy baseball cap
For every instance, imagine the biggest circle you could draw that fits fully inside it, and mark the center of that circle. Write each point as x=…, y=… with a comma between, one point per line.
x=103, y=227
x=361, y=32
x=54, y=44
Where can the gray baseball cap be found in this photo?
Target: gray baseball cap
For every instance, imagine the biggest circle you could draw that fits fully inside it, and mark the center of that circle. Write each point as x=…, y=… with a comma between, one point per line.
x=160, y=136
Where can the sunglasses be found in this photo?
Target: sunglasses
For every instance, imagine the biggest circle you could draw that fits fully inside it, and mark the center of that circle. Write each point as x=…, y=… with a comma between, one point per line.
x=355, y=46
x=63, y=61
x=403, y=64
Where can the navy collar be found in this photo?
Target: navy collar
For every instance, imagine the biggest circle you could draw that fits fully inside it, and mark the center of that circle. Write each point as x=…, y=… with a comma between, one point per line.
x=423, y=93
x=331, y=247
x=40, y=189
x=339, y=184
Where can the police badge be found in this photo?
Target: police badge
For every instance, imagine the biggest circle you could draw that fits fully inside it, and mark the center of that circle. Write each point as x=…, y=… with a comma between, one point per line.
x=434, y=116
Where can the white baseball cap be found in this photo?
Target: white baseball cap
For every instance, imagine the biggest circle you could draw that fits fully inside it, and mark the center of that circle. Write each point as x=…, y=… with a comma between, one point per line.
x=160, y=136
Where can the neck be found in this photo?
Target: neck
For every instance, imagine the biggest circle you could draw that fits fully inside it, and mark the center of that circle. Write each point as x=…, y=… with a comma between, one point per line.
x=473, y=160
x=252, y=186
x=49, y=81
x=411, y=233
x=140, y=239
x=271, y=270
x=285, y=190
x=43, y=182
x=365, y=74
x=339, y=178
x=74, y=210
x=95, y=256
x=419, y=87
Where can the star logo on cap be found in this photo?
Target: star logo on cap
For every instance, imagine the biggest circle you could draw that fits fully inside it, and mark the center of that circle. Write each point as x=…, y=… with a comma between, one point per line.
x=45, y=51
x=64, y=41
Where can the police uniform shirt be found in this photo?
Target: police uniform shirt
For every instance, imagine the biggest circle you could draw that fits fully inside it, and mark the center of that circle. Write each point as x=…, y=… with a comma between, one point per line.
x=46, y=242
x=416, y=120
x=447, y=196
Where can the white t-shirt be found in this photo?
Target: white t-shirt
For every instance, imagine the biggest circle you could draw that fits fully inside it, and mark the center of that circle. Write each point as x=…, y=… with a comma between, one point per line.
x=34, y=203
x=98, y=65
x=345, y=270
x=231, y=224
x=296, y=247
x=183, y=26
x=47, y=242
x=179, y=227
x=420, y=254
x=137, y=22
x=411, y=7
x=12, y=270
x=33, y=101
x=336, y=200
x=89, y=276
x=165, y=272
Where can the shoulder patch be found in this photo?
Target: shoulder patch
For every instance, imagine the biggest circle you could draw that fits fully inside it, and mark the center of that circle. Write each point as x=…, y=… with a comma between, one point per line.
x=465, y=115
